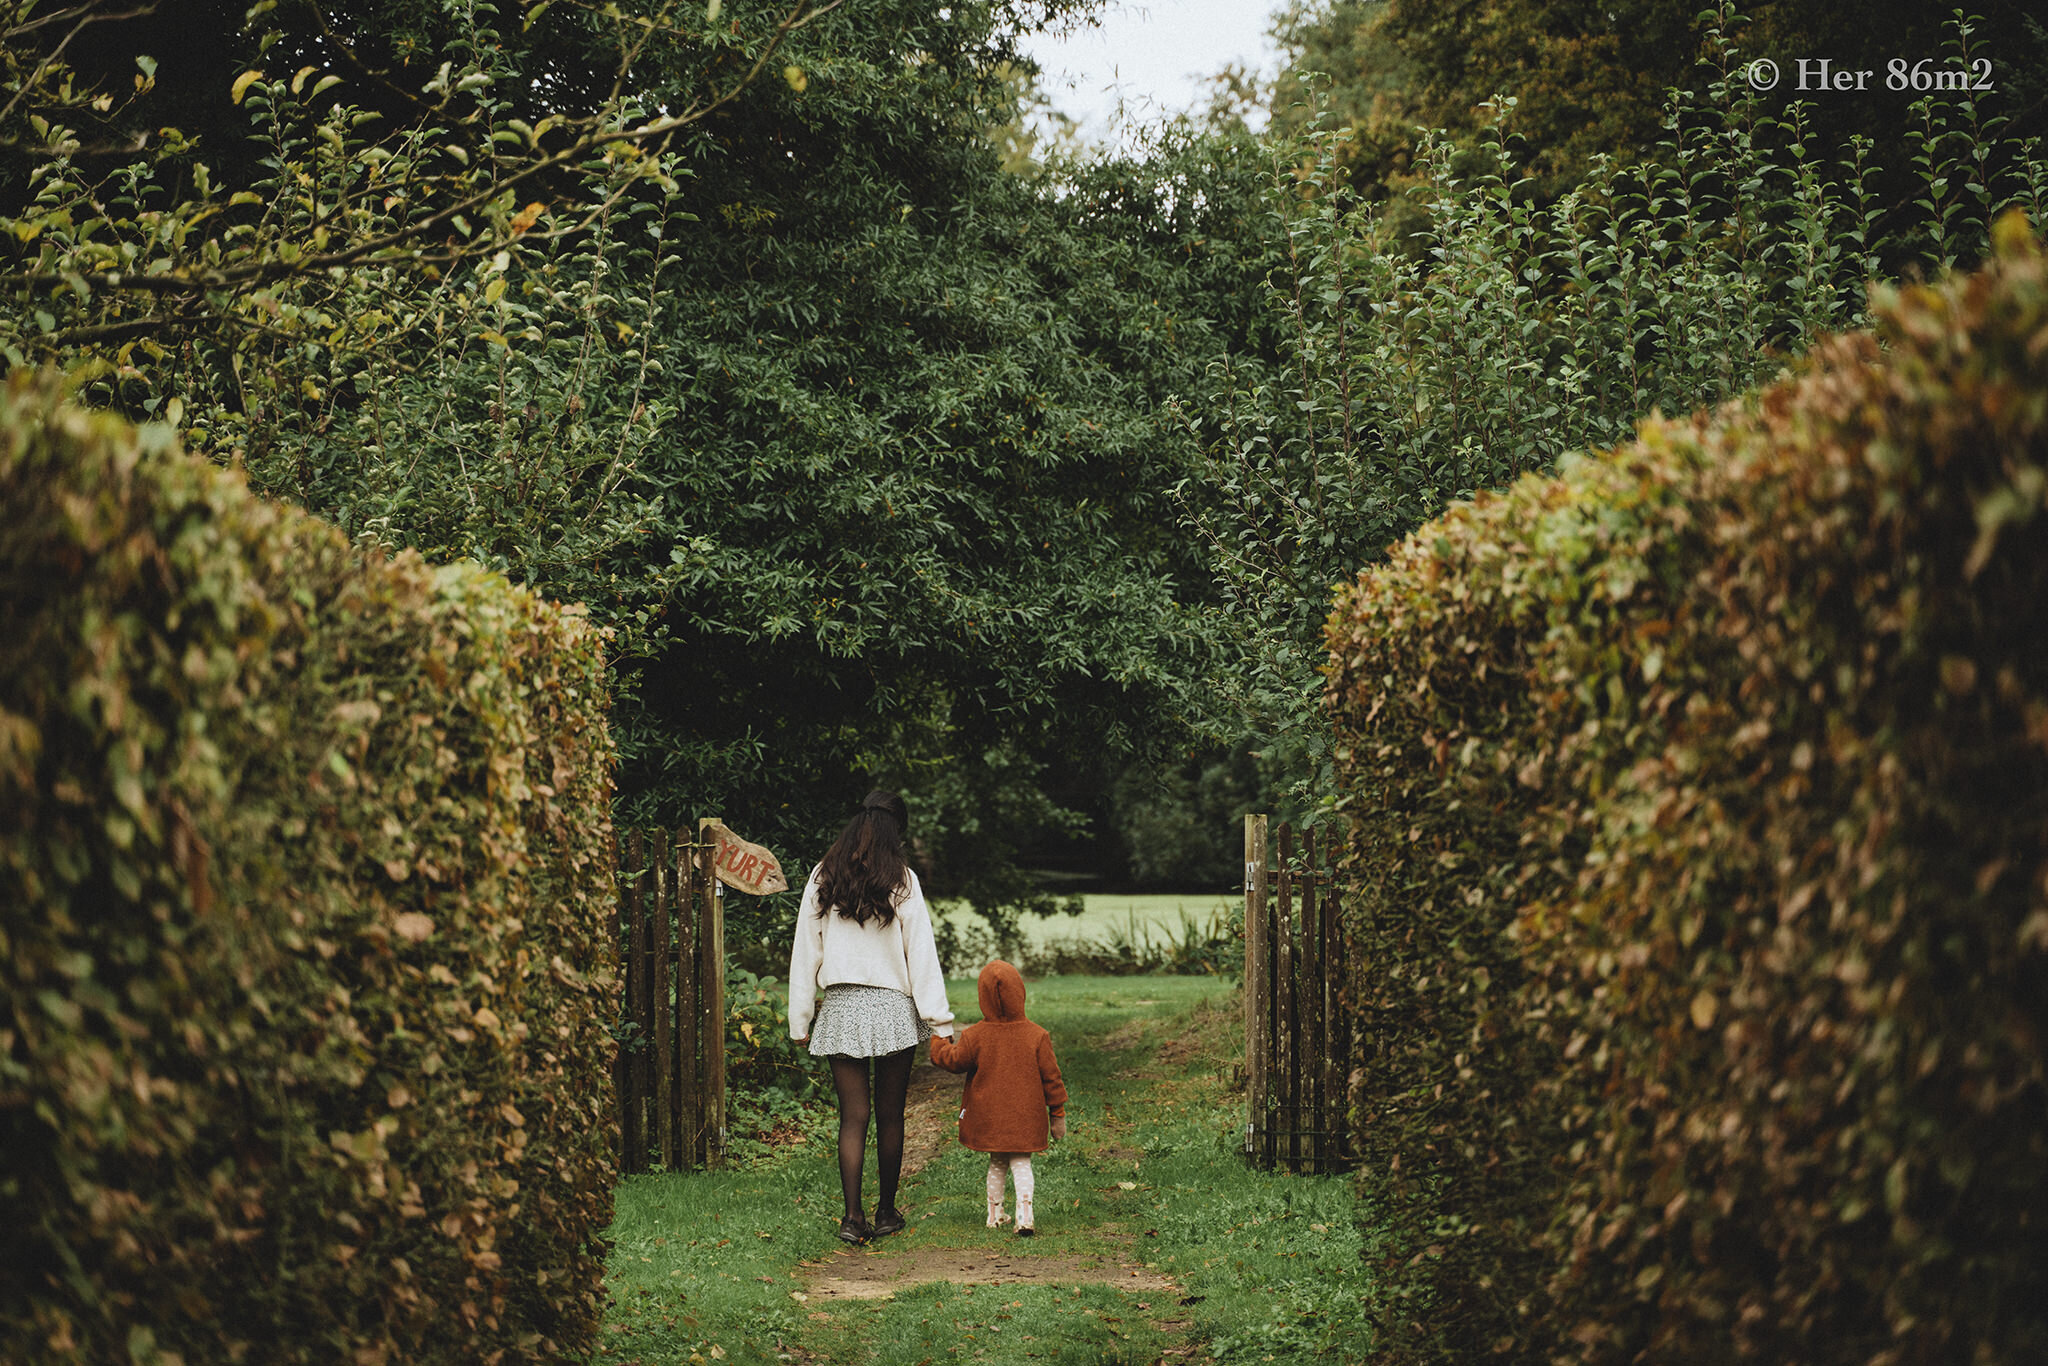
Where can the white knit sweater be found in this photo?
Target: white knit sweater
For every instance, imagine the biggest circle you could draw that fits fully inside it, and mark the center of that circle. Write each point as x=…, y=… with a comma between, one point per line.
x=831, y=950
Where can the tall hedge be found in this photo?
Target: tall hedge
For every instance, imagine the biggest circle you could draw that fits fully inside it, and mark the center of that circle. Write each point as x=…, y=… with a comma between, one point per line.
x=1699, y=803
x=304, y=865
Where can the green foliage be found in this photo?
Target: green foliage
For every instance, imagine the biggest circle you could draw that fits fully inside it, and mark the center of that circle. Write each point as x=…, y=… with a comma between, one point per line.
x=1591, y=81
x=305, y=877
x=1211, y=945
x=853, y=439
x=362, y=180
x=759, y=1054
x=1175, y=821
x=1428, y=358
x=1697, y=823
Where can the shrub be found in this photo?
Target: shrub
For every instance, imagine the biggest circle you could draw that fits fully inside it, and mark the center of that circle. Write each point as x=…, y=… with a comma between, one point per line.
x=304, y=870
x=1697, y=803
x=759, y=1054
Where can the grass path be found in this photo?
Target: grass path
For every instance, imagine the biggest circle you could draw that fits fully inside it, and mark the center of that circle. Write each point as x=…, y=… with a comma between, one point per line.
x=1156, y=1244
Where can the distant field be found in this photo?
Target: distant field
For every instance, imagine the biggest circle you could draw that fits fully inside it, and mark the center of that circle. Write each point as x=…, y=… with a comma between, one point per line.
x=1110, y=914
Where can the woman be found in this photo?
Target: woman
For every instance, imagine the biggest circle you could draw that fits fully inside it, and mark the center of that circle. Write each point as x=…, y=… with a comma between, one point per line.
x=864, y=940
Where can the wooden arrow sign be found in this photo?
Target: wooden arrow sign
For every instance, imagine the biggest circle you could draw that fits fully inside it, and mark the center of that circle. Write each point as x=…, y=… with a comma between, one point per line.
x=748, y=867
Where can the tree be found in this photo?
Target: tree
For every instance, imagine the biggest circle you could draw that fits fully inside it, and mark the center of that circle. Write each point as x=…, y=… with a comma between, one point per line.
x=1591, y=79
x=854, y=441
x=1526, y=328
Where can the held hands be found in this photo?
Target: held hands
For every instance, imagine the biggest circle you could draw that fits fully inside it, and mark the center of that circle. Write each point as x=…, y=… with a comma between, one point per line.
x=1059, y=1128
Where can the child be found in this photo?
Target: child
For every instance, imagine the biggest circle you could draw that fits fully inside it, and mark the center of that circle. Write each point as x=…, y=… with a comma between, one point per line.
x=1013, y=1084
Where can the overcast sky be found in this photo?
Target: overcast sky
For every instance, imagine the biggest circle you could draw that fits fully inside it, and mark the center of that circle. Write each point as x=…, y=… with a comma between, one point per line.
x=1154, y=55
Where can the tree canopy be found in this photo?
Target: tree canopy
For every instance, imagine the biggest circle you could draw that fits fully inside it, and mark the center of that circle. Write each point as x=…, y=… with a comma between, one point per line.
x=1591, y=79
x=884, y=453
x=856, y=442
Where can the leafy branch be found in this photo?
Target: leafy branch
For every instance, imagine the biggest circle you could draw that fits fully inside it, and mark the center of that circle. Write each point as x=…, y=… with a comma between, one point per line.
x=462, y=194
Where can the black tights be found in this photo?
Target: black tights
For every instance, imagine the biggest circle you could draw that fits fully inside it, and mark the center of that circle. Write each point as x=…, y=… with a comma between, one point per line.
x=892, y=1085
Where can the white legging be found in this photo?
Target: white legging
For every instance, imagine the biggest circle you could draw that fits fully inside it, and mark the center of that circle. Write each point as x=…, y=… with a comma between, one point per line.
x=1018, y=1165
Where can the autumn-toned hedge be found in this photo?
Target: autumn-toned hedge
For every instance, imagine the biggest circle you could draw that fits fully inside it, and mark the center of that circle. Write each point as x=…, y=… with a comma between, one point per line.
x=1700, y=822
x=304, y=864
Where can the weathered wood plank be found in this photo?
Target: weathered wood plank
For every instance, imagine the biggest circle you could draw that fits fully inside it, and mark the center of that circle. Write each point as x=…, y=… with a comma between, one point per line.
x=622, y=1063
x=1337, y=1049
x=1257, y=1038
x=1310, y=993
x=689, y=1025
x=642, y=1008
x=662, y=977
x=712, y=895
x=1291, y=953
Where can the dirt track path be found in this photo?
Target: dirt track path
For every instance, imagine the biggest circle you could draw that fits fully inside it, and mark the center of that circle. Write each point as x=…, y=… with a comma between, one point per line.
x=880, y=1269
x=925, y=1253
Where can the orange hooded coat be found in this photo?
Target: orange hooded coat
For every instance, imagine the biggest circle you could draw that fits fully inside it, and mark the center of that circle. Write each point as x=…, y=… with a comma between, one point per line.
x=1013, y=1081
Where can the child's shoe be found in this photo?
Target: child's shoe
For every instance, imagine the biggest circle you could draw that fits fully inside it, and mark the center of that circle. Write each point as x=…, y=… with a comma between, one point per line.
x=1024, y=1220
x=996, y=1217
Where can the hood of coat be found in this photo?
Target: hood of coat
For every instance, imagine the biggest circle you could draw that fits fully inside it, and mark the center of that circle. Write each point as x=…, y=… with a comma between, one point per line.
x=1002, y=992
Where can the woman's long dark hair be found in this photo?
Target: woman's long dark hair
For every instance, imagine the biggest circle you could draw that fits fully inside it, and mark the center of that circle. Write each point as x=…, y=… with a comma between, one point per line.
x=864, y=874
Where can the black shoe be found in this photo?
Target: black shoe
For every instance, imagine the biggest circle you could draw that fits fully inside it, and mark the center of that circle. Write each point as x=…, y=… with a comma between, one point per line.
x=886, y=1223
x=1026, y=1231
x=854, y=1229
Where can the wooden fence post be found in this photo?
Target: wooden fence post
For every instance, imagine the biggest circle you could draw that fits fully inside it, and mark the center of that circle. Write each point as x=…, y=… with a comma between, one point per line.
x=1338, y=1047
x=712, y=994
x=662, y=987
x=1255, y=976
x=643, y=967
x=1313, y=1024
x=690, y=1100
x=624, y=1069
x=1287, y=1035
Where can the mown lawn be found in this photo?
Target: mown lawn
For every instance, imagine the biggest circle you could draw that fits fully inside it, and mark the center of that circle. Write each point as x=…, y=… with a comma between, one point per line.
x=706, y=1266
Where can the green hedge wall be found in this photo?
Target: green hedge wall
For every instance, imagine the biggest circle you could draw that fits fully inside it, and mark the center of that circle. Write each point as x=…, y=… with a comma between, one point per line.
x=304, y=873
x=1700, y=831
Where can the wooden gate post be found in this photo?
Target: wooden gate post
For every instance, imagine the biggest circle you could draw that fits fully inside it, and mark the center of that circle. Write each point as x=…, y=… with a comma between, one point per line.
x=661, y=980
x=1256, y=975
x=625, y=1072
x=688, y=1027
x=1337, y=1056
x=1287, y=998
x=712, y=992
x=1312, y=970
